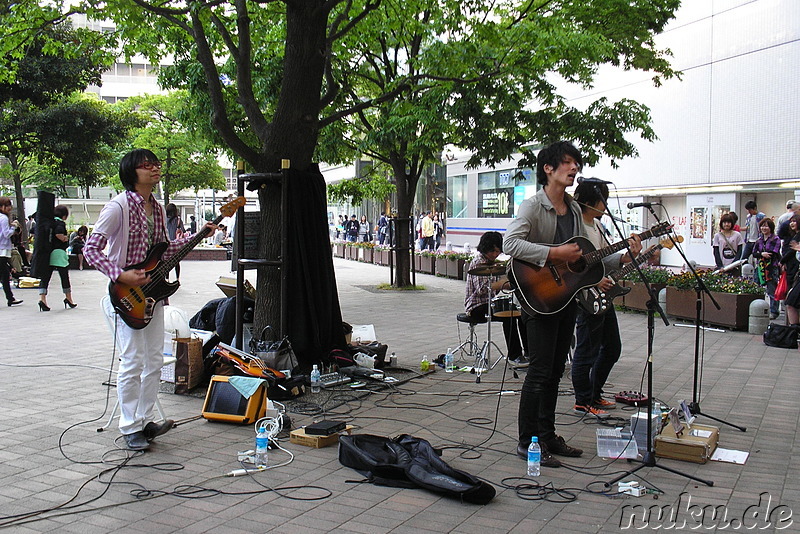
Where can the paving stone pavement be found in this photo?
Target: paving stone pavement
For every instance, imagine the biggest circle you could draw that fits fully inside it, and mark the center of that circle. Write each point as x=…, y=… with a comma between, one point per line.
x=53, y=366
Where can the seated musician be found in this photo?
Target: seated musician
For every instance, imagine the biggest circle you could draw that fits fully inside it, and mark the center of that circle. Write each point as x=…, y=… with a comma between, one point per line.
x=476, y=301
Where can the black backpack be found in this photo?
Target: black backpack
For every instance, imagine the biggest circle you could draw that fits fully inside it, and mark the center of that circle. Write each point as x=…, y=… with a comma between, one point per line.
x=409, y=462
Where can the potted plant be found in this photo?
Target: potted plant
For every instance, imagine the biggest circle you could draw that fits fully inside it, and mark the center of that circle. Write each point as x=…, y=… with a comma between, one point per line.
x=440, y=258
x=350, y=250
x=365, y=251
x=456, y=264
x=338, y=248
x=426, y=260
x=637, y=298
x=734, y=295
x=380, y=255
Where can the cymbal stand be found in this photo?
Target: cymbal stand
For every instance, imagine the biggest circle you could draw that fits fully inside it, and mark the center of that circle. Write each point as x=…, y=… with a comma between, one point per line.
x=484, y=358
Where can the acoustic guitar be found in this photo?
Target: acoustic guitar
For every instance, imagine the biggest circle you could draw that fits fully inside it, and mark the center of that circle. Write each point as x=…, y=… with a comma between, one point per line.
x=135, y=304
x=596, y=302
x=549, y=289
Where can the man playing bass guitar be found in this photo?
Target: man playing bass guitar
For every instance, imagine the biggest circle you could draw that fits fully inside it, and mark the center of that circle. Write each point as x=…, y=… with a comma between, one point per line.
x=548, y=218
x=598, y=342
x=130, y=224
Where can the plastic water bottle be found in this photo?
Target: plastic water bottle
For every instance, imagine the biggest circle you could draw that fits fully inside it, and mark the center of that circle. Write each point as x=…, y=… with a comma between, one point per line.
x=534, y=457
x=448, y=361
x=262, y=446
x=315, y=379
x=424, y=365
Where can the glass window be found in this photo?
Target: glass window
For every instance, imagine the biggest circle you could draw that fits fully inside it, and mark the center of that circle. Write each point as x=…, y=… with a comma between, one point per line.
x=457, y=193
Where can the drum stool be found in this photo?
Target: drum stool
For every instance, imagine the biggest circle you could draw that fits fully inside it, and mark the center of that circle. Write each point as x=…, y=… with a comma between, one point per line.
x=469, y=348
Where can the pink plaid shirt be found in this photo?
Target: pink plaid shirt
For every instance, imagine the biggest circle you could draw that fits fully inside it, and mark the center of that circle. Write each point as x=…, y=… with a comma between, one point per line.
x=138, y=239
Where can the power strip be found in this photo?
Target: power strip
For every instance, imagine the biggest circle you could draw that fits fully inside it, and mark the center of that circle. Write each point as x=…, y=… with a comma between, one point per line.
x=631, y=488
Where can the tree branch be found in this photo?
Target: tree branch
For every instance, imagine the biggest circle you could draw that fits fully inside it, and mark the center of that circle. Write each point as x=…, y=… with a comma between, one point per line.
x=219, y=115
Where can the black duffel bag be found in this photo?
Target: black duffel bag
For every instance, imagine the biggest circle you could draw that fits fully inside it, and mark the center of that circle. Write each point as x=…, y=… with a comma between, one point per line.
x=781, y=336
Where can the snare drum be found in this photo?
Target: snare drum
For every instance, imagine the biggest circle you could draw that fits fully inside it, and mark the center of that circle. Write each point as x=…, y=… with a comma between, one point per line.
x=504, y=306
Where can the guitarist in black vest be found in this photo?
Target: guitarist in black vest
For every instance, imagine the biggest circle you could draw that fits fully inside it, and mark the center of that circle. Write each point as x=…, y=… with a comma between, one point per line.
x=599, y=345
x=129, y=225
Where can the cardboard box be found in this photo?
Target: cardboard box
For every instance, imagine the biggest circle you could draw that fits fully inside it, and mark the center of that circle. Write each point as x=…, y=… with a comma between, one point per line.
x=227, y=284
x=300, y=437
x=695, y=444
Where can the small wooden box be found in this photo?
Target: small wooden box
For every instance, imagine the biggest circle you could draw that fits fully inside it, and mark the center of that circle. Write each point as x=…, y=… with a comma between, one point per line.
x=694, y=445
x=300, y=437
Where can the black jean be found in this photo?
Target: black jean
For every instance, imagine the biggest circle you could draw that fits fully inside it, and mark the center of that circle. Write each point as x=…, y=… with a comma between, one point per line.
x=549, y=339
x=598, y=349
x=5, y=274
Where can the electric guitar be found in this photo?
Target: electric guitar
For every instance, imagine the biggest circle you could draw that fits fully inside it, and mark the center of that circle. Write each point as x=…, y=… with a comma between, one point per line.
x=549, y=289
x=595, y=302
x=135, y=304
x=247, y=363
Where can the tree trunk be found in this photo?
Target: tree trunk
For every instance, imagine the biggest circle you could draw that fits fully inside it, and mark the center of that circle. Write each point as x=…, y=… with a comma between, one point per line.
x=293, y=135
x=21, y=216
x=406, y=187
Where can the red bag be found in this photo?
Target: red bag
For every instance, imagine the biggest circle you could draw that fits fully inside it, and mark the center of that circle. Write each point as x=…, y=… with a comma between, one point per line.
x=783, y=287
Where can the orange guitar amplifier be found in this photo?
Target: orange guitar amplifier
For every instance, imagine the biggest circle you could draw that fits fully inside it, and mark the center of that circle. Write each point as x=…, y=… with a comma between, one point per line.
x=225, y=403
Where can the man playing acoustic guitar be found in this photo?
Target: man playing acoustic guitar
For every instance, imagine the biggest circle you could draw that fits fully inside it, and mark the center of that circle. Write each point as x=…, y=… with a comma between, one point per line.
x=130, y=224
x=548, y=218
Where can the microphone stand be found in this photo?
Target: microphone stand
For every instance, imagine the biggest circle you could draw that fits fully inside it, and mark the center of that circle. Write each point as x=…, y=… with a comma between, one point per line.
x=649, y=458
x=699, y=288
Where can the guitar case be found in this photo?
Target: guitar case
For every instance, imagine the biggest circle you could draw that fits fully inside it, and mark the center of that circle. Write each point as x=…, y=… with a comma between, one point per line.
x=409, y=462
x=45, y=220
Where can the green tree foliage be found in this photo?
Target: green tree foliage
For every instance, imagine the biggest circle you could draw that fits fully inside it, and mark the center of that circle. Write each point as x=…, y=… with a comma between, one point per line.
x=44, y=64
x=354, y=191
x=489, y=78
x=189, y=161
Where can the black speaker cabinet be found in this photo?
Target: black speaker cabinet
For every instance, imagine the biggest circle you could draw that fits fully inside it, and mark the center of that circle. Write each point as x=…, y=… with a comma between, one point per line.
x=225, y=403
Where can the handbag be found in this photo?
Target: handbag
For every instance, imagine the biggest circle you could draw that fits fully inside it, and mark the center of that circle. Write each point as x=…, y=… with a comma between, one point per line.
x=781, y=336
x=783, y=287
x=277, y=354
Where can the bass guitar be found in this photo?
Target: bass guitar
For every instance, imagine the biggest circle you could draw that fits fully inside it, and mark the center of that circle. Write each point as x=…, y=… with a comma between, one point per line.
x=135, y=304
x=596, y=302
x=549, y=289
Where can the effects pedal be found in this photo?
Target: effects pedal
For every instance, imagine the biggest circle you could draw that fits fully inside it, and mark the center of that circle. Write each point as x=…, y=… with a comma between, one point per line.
x=631, y=398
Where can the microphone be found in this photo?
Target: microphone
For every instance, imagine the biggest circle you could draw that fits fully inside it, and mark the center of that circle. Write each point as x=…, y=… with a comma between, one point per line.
x=582, y=180
x=632, y=205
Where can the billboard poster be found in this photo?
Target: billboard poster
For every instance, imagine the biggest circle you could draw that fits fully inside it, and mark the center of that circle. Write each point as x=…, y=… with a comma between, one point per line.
x=699, y=225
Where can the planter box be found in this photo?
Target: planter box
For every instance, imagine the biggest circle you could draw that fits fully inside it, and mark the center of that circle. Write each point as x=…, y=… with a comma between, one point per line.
x=638, y=297
x=427, y=264
x=380, y=257
x=365, y=255
x=442, y=264
x=338, y=250
x=455, y=269
x=733, y=312
x=351, y=253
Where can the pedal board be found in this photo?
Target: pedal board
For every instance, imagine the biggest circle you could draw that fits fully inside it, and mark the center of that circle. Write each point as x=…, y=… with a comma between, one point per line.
x=631, y=398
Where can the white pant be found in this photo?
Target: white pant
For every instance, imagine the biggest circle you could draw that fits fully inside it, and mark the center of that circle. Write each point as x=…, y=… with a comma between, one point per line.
x=141, y=354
